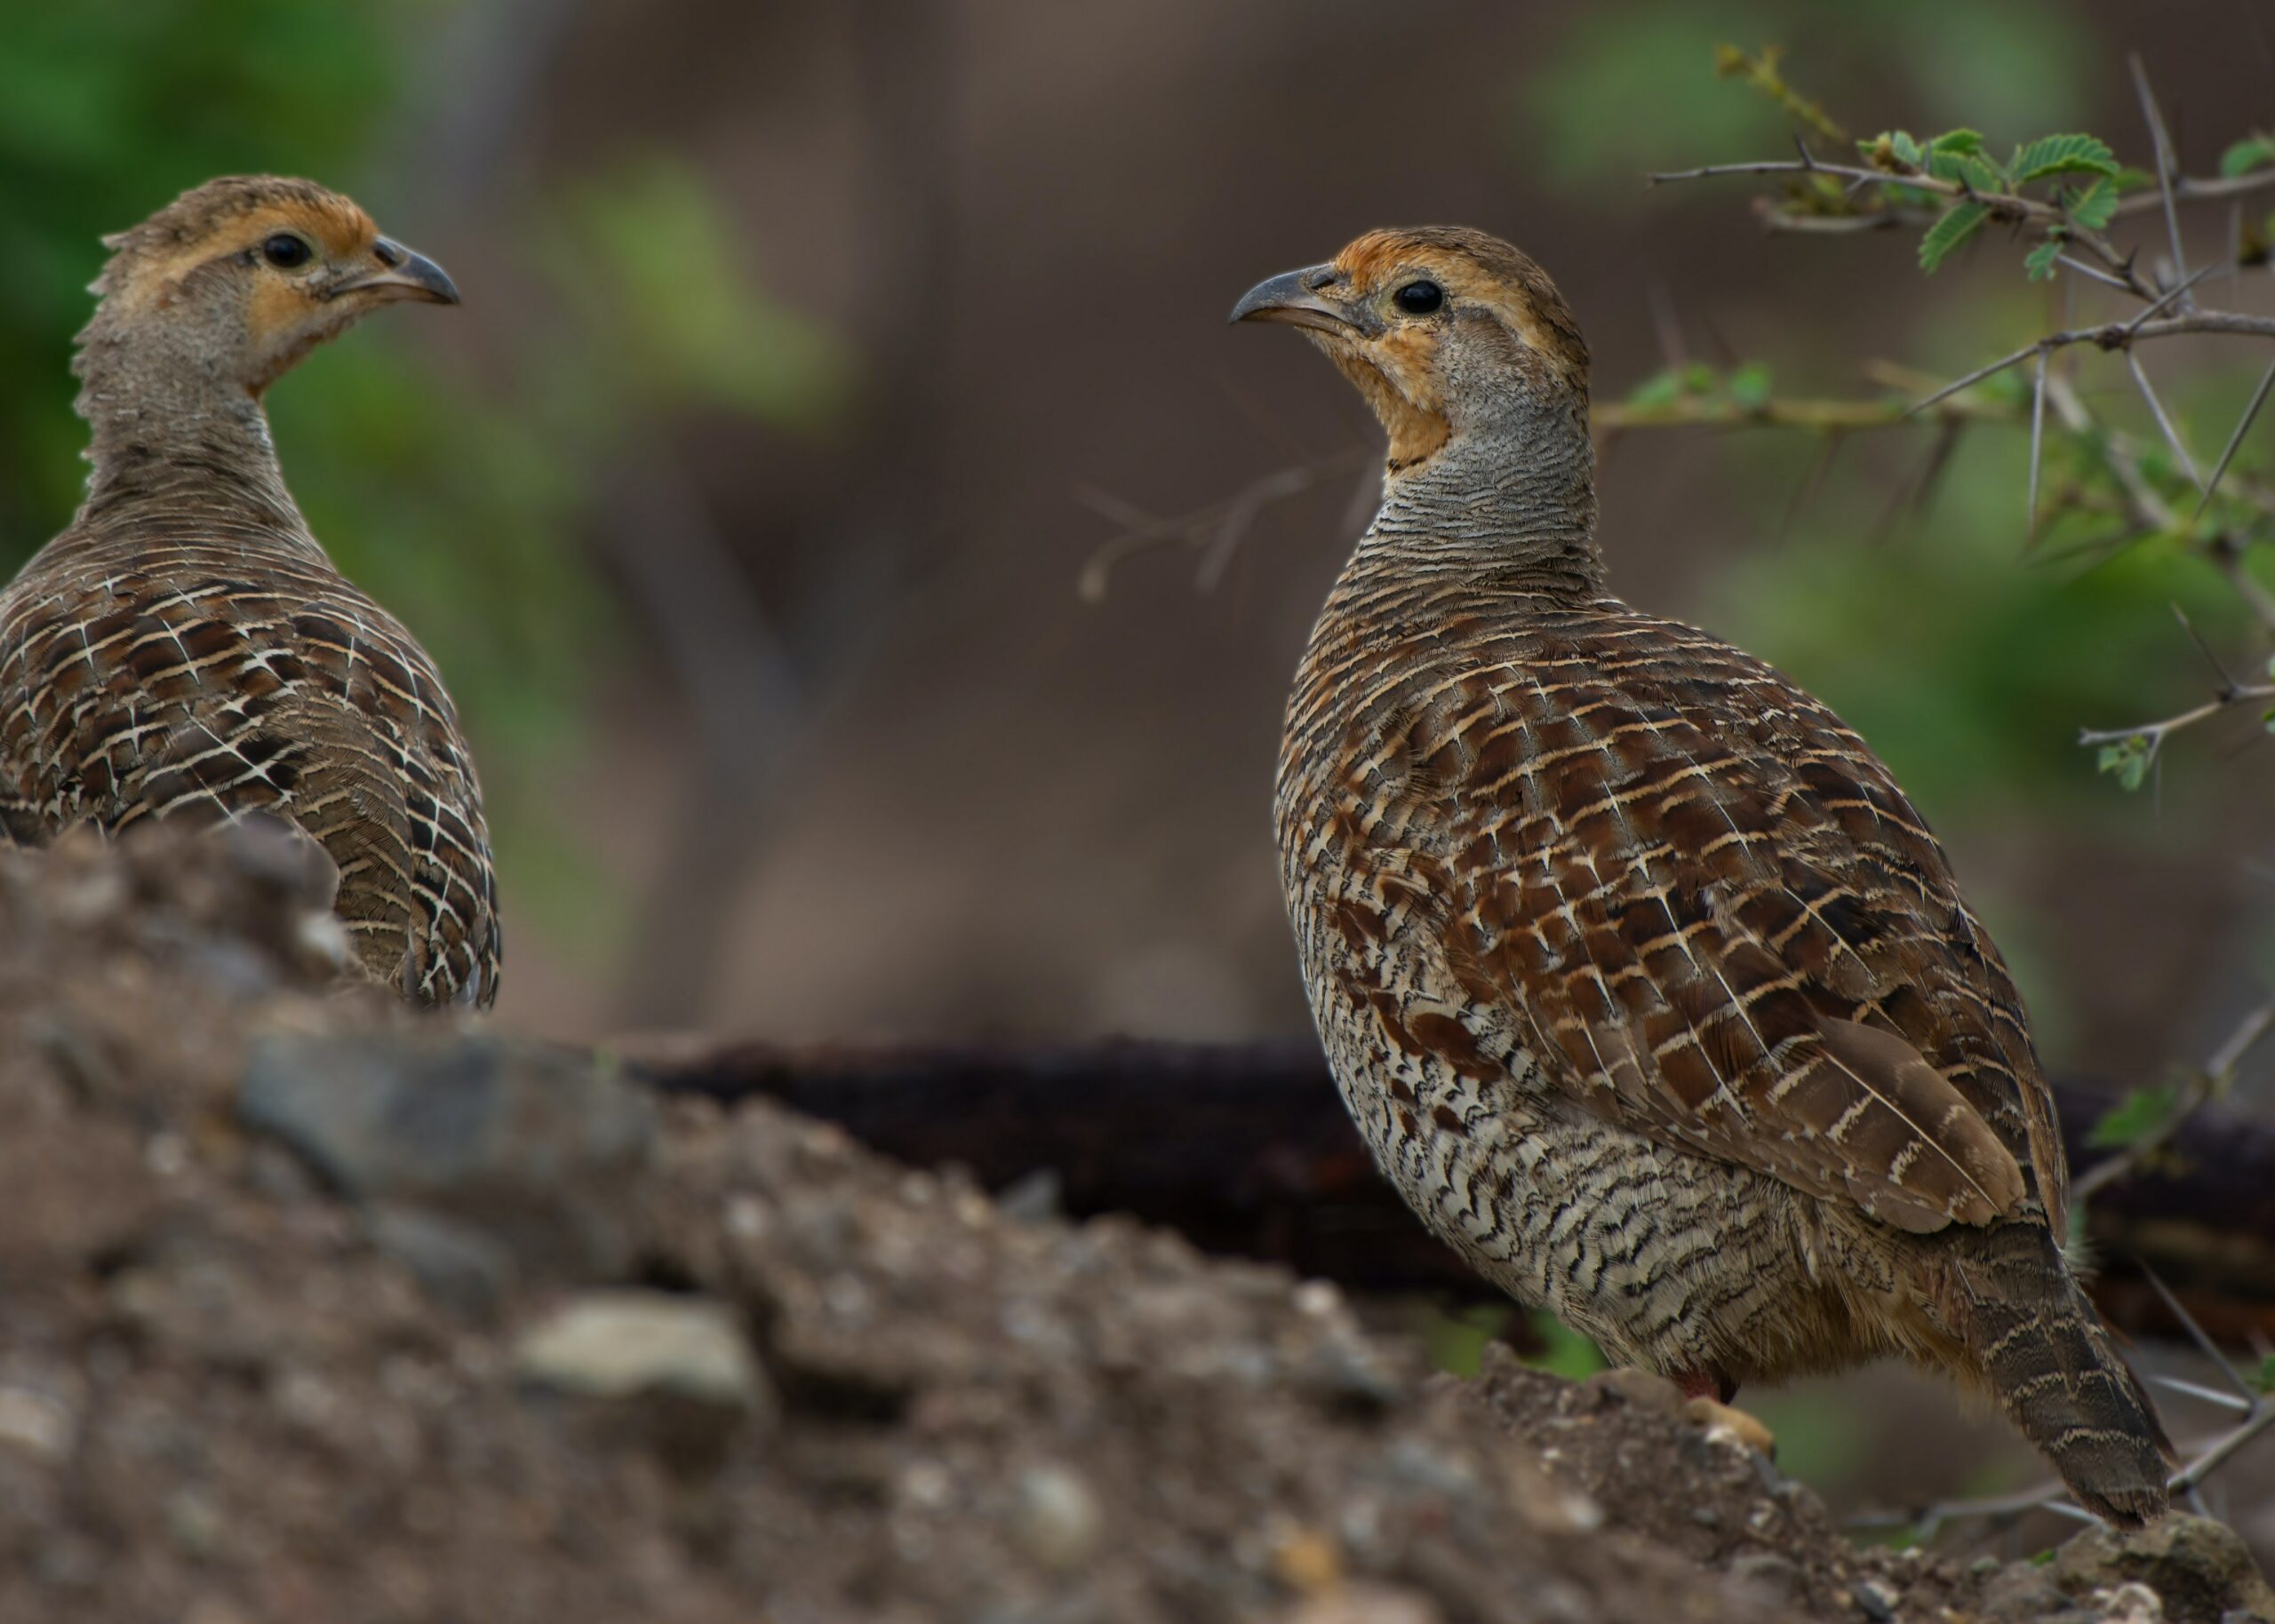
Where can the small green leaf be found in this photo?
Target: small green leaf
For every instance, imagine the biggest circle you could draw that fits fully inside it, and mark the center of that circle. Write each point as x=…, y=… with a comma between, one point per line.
x=2131, y=179
x=2040, y=261
x=2263, y=1378
x=1960, y=222
x=1659, y=389
x=2247, y=154
x=2140, y=1115
x=2043, y=1559
x=2270, y=719
x=1906, y=149
x=1977, y=174
x=2096, y=206
x=1958, y=141
x=2127, y=761
x=1750, y=385
x=2063, y=154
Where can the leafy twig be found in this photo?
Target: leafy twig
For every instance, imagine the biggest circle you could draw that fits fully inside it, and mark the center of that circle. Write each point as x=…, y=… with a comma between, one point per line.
x=2208, y=1082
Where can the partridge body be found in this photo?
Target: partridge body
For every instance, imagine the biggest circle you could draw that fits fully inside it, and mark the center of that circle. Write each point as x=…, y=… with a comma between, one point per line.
x=185, y=650
x=1650, y=990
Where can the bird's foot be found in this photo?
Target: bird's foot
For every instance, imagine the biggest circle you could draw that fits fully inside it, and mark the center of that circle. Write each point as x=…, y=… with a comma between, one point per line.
x=1723, y=1423
x=1706, y=1403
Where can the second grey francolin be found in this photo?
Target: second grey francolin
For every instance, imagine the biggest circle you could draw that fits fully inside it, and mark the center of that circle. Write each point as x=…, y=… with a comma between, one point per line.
x=186, y=649
x=1651, y=991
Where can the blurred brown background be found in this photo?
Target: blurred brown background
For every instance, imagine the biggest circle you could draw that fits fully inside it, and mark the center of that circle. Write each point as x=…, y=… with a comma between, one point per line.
x=971, y=802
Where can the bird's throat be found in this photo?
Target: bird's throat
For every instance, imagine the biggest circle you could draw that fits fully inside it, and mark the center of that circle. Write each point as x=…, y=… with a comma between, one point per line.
x=1417, y=430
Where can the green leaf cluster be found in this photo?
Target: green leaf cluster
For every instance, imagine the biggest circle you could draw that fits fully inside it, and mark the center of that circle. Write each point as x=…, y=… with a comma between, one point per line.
x=2252, y=152
x=1961, y=159
x=2141, y=1115
x=2128, y=760
x=1746, y=387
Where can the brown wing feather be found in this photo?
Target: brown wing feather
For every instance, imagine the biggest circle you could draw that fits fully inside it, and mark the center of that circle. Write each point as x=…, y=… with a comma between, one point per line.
x=206, y=673
x=1701, y=900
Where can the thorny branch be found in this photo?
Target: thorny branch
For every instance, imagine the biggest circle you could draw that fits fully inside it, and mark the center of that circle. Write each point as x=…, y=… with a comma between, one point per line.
x=2210, y=1081
x=1218, y=529
x=2253, y=1407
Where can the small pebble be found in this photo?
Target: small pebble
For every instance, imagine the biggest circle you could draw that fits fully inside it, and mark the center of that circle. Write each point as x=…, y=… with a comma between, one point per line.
x=1874, y=1599
x=1306, y=1560
x=37, y=1423
x=613, y=1344
x=1317, y=1297
x=1055, y=1517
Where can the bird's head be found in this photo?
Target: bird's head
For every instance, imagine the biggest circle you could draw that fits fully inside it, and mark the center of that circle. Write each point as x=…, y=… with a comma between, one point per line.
x=240, y=277
x=1444, y=331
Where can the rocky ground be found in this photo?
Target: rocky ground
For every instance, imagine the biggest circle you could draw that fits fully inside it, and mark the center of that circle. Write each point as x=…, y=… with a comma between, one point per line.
x=317, y=1311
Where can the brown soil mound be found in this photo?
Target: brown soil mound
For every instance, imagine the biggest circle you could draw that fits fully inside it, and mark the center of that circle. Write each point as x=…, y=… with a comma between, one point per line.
x=314, y=1311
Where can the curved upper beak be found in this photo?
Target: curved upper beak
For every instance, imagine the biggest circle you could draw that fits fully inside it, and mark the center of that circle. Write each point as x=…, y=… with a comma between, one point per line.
x=1295, y=298
x=403, y=274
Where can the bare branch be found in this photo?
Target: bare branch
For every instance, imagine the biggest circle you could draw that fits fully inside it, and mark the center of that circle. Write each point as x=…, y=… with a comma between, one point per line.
x=2188, y=189
x=1217, y=529
x=2166, y=168
x=2218, y=1073
x=2104, y=277
x=2243, y=427
x=2166, y=297
x=2157, y=411
x=2207, y=1395
x=2245, y=1395
x=2037, y=439
x=2039, y=347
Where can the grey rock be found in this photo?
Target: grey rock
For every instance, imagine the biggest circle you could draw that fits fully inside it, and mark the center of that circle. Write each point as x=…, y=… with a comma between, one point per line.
x=671, y=1376
x=455, y=1263
x=2199, y=1569
x=536, y=1149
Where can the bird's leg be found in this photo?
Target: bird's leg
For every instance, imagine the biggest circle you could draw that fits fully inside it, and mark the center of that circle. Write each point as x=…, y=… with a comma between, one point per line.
x=1711, y=1384
x=1707, y=1394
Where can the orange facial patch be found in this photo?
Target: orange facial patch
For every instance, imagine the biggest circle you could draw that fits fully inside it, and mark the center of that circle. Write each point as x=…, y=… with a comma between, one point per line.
x=226, y=217
x=337, y=229
x=1398, y=376
x=1473, y=266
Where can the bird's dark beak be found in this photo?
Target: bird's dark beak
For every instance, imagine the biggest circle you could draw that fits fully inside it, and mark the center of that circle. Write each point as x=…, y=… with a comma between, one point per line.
x=1295, y=299
x=403, y=274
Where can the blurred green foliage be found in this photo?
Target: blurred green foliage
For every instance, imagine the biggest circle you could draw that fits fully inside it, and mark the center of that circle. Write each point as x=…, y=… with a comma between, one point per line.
x=459, y=491
x=1457, y=1340
x=1623, y=89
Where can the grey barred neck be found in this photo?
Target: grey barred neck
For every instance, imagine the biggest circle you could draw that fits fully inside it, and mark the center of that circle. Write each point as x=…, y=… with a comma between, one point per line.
x=1511, y=500
x=168, y=423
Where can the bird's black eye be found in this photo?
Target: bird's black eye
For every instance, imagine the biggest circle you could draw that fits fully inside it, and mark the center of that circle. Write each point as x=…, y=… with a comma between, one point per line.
x=284, y=251
x=1419, y=297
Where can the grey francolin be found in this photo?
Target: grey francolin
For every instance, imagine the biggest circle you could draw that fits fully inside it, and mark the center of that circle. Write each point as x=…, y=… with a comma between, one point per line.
x=186, y=649
x=1650, y=990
